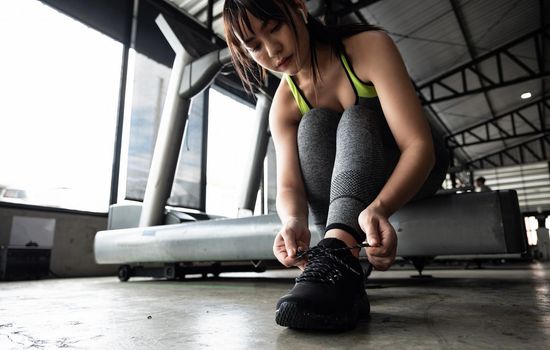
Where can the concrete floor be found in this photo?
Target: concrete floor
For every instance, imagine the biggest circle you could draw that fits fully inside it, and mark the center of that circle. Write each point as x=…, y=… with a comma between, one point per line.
x=505, y=307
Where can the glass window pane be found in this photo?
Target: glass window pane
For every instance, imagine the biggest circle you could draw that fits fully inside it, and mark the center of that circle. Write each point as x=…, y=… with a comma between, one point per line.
x=59, y=87
x=149, y=87
x=229, y=145
x=186, y=190
x=150, y=81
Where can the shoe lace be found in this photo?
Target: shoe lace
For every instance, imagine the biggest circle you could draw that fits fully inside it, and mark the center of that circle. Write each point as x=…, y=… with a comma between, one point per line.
x=324, y=265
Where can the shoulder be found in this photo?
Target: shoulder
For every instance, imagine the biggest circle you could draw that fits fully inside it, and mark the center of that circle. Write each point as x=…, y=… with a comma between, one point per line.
x=367, y=41
x=284, y=110
x=369, y=50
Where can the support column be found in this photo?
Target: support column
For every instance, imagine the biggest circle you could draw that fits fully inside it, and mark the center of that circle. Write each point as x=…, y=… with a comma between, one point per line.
x=251, y=181
x=170, y=134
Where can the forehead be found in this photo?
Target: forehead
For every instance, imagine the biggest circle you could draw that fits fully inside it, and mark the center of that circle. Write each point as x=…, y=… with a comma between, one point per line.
x=248, y=25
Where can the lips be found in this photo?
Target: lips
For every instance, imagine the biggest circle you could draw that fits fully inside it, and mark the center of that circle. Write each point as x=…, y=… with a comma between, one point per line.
x=284, y=62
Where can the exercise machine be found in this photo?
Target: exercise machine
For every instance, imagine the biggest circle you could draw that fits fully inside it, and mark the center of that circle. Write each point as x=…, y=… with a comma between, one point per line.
x=187, y=243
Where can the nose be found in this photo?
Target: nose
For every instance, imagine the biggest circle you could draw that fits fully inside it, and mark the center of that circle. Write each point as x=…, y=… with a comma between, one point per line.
x=273, y=48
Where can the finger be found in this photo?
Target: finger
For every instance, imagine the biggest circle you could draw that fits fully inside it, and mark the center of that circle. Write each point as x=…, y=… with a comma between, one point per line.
x=279, y=250
x=389, y=243
x=279, y=244
x=289, y=262
x=373, y=238
x=290, y=243
x=302, y=246
x=381, y=251
x=283, y=258
x=381, y=264
x=388, y=232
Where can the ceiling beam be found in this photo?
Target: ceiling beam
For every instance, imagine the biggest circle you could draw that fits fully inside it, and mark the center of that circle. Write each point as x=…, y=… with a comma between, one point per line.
x=479, y=163
x=459, y=16
x=439, y=89
x=482, y=134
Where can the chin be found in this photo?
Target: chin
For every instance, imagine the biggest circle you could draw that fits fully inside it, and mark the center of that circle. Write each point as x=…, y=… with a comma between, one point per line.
x=292, y=70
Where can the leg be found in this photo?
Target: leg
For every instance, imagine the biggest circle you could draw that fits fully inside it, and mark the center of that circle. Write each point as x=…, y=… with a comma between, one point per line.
x=316, y=150
x=330, y=293
x=359, y=172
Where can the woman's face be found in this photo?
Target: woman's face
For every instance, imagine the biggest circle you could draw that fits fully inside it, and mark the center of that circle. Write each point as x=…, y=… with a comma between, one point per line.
x=273, y=45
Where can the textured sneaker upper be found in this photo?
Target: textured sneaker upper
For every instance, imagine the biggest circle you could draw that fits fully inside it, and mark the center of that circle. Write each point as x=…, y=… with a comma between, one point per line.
x=331, y=281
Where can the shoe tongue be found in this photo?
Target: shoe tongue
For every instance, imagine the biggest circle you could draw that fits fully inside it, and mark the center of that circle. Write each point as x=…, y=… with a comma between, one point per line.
x=332, y=243
x=335, y=243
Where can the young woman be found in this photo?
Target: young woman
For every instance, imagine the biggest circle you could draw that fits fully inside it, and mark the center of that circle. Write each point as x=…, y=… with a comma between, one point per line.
x=352, y=145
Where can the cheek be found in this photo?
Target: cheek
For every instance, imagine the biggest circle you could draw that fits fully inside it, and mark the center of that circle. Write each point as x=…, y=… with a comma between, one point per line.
x=259, y=58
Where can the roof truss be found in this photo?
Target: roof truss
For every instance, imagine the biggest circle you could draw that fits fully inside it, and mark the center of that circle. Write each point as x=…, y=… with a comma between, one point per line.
x=455, y=83
x=484, y=132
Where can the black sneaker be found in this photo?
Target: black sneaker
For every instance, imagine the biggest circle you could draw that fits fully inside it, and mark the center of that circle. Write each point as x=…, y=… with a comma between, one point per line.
x=330, y=292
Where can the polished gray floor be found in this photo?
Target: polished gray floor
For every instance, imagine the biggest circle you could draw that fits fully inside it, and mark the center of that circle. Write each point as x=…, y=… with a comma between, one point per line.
x=504, y=307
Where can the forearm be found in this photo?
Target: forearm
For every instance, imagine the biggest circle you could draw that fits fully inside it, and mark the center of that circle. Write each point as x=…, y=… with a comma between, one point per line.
x=292, y=204
x=409, y=175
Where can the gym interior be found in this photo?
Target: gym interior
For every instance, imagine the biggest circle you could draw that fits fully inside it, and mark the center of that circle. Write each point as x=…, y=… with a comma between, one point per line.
x=138, y=181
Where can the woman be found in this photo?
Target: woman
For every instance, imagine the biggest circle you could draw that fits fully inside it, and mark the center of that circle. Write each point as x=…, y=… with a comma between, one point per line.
x=352, y=144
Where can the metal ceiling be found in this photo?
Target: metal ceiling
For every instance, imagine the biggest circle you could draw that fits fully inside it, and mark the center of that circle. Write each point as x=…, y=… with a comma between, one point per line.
x=470, y=61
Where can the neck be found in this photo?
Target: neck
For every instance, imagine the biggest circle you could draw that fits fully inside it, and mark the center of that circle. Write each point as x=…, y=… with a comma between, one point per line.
x=324, y=58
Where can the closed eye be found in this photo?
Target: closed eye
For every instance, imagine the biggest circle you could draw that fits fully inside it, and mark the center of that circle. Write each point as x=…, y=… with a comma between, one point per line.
x=277, y=26
x=254, y=48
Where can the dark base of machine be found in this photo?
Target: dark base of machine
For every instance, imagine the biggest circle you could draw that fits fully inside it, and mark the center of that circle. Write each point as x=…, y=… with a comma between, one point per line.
x=179, y=271
x=24, y=263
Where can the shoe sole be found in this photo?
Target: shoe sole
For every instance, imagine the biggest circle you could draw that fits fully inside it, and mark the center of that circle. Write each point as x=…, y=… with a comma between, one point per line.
x=291, y=315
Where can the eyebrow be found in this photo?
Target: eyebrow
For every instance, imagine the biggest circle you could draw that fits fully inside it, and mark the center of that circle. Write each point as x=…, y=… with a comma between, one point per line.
x=251, y=38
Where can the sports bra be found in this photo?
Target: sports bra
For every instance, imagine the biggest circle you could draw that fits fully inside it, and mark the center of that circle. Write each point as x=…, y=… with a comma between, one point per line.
x=361, y=88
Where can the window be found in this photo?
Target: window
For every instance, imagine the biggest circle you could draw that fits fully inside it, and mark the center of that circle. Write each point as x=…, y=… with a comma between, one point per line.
x=60, y=88
x=149, y=84
x=530, y=181
x=229, y=142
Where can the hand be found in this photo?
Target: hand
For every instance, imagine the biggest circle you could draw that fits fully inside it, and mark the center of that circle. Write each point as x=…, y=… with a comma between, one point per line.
x=381, y=238
x=293, y=237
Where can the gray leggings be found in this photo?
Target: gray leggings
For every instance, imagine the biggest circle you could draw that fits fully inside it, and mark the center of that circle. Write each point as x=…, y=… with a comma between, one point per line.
x=346, y=160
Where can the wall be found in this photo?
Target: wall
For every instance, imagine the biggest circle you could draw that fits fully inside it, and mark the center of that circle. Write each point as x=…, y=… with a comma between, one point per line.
x=72, y=251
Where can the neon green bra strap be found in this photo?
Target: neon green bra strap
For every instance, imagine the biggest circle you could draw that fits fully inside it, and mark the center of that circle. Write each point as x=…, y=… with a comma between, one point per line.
x=363, y=90
x=300, y=101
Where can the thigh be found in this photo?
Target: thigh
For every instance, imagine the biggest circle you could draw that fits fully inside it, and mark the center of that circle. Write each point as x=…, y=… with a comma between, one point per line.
x=316, y=151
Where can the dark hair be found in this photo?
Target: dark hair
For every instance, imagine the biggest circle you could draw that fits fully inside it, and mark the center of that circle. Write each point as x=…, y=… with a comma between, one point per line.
x=481, y=179
x=236, y=19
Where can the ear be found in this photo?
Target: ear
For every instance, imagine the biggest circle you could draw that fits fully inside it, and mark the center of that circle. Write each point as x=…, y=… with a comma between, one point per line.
x=300, y=4
x=300, y=7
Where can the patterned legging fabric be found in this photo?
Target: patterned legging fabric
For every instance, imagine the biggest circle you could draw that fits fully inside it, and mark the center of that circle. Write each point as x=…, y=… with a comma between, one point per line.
x=345, y=161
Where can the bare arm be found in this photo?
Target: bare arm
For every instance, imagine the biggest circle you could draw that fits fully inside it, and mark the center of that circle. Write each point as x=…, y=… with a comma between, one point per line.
x=381, y=63
x=291, y=196
x=405, y=118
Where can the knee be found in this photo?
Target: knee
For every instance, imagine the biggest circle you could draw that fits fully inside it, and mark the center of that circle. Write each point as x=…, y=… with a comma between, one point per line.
x=358, y=111
x=359, y=117
x=318, y=121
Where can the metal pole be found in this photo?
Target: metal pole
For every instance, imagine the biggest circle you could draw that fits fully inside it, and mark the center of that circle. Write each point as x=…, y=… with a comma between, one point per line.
x=167, y=147
x=251, y=182
x=129, y=41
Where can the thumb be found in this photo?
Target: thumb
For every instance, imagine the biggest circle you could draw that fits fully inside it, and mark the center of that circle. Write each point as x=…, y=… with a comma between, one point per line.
x=373, y=238
x=290, y=243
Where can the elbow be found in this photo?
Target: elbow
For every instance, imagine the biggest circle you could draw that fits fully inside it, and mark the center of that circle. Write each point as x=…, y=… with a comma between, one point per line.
x=425, y=152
